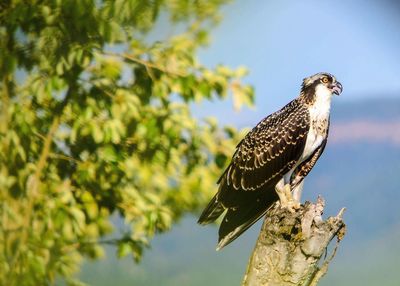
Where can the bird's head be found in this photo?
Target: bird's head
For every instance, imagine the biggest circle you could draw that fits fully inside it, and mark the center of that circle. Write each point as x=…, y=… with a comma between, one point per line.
x=320, y=85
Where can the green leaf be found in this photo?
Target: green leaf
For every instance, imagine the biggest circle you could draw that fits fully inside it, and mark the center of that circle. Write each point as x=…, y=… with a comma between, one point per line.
x=124, y=248
x=99, y=123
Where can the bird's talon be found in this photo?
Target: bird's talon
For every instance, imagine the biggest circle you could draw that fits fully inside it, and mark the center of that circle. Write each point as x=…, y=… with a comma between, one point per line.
x=291, y=205
x=296, y=205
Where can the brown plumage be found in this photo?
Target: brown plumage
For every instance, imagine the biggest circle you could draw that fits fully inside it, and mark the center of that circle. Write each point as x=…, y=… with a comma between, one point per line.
x=275, y=148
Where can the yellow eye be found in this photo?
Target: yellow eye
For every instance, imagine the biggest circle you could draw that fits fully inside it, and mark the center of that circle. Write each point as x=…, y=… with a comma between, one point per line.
x=325, y=79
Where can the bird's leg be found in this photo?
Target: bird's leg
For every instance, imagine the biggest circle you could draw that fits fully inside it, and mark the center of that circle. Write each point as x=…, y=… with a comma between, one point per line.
x=293, y=204
x=286, y=198
x=280, y=190
x=297, y=190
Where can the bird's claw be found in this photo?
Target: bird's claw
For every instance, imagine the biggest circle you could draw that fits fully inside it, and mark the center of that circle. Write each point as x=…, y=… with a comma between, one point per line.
x=286, y=199
x=292, y=206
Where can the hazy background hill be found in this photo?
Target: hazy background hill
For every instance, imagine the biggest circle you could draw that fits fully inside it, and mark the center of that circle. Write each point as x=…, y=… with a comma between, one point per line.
x=360, y=173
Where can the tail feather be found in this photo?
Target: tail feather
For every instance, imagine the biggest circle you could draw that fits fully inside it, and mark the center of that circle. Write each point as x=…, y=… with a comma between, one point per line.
x=239, y=219
x=213, y=210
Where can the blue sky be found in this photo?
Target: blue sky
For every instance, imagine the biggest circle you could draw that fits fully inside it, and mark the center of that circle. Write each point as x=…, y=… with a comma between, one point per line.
x=282, y=42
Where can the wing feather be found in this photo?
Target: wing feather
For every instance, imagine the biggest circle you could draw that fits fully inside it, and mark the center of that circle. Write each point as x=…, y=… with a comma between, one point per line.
x=270, y=150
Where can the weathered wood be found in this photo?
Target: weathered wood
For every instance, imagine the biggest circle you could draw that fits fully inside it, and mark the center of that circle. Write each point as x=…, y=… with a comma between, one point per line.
x=291, y=244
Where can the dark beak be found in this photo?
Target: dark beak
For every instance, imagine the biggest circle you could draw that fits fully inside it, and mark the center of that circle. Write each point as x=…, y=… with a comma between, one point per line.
x=337, y=88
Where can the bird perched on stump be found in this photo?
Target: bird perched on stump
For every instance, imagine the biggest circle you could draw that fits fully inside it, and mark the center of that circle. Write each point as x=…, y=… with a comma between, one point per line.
x=273, y=159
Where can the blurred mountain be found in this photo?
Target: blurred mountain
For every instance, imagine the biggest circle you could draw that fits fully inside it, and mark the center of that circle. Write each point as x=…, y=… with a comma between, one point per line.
x=378, y=108
x=359, y=170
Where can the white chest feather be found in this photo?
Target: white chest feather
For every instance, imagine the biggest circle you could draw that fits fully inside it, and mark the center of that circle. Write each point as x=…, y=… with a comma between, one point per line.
x=319, y=119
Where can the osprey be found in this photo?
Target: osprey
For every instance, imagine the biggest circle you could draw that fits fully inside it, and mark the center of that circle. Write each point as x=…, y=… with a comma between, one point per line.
x=273, y=159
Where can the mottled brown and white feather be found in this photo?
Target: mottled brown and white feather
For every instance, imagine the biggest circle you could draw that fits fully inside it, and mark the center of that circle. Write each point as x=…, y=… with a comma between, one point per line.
x=268, y=151
x=281, y=149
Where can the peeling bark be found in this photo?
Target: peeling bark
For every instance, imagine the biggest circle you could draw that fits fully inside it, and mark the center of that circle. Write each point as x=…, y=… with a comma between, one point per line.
x=290, y=246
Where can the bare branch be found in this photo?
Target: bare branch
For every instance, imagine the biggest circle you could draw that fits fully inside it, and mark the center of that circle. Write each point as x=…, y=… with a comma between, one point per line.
x=290, y=246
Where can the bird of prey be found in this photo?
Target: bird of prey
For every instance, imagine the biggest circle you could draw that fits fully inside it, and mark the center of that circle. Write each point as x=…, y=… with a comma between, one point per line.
x=273, y=159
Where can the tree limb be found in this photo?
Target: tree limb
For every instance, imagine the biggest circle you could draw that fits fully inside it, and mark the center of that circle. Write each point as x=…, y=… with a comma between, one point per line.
x=290, y=246
x=147, y=64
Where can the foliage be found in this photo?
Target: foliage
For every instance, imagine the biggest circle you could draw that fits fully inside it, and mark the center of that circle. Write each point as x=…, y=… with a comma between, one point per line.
x=95, y=124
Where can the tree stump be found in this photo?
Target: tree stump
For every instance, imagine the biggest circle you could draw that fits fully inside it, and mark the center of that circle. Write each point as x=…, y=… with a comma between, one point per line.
x=291, y=244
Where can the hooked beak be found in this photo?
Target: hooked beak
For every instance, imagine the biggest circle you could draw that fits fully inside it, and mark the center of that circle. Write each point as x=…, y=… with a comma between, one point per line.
x=337, y=88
